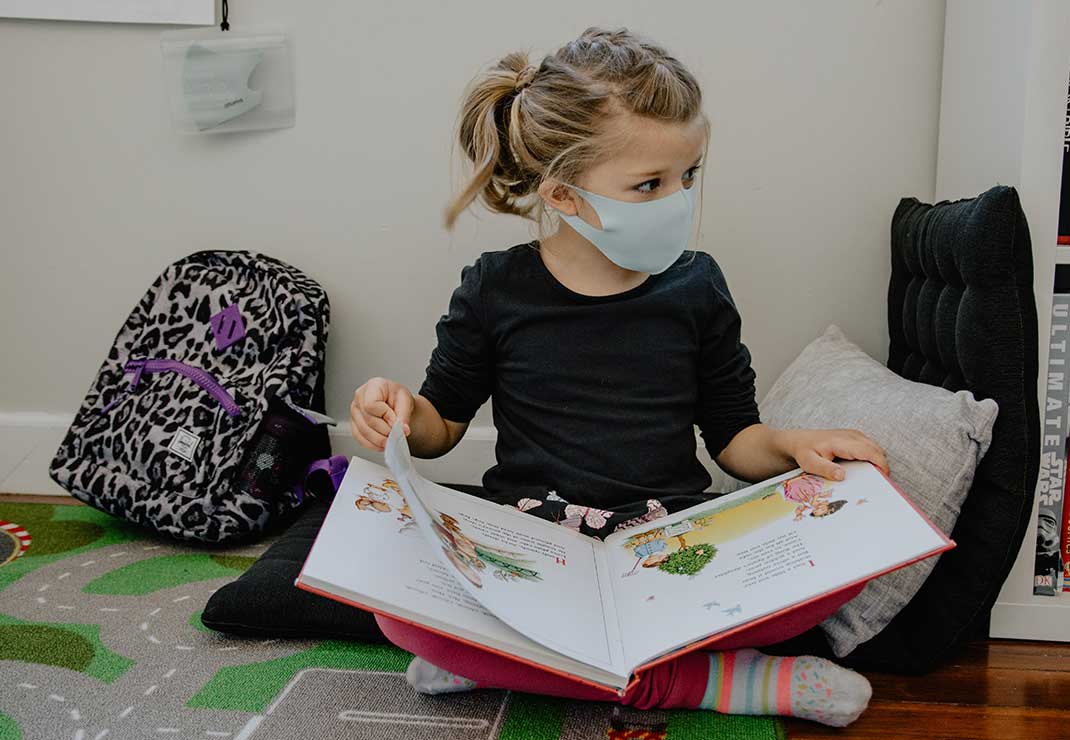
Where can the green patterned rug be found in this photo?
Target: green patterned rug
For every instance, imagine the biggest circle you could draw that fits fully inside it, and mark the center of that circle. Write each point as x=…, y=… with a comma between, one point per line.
x=100, y=637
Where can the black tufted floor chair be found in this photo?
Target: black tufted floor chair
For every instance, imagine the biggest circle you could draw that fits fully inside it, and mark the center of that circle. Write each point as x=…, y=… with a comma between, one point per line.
x=961, y=315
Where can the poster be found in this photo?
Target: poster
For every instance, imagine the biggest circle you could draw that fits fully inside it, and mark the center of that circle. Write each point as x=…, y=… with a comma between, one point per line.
x=182, y=12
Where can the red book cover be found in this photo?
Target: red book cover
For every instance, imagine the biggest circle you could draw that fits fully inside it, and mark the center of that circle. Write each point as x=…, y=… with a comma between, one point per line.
x=350, y=535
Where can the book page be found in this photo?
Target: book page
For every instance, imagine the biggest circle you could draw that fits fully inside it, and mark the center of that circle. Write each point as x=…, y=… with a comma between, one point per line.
x=766, y=547
x=370, y=553
x=370, y=545
x=538, y=577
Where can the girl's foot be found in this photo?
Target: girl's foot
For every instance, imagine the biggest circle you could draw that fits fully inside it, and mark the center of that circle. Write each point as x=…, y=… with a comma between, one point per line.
x=749, y=682
x=428, y=678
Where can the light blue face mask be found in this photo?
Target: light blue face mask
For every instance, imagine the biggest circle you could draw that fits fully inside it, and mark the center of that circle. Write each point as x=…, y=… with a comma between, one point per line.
x=645, y=237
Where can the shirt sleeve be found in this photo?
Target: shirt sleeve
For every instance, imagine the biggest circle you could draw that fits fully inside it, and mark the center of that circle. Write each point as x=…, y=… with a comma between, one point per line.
x=458, y=379
x=726, y=394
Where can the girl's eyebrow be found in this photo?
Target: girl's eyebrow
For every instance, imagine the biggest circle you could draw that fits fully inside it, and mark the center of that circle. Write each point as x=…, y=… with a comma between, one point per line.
x=655, y=173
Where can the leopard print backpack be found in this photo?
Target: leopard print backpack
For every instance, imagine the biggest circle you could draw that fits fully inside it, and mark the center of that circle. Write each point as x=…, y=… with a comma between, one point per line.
x=206, y=419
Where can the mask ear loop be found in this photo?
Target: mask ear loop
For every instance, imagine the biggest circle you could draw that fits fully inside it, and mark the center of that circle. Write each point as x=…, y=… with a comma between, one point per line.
x=575, y=189
x=224, y=26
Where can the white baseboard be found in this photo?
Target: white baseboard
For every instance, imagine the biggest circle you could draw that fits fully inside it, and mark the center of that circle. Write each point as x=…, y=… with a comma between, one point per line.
x=28, y=440
x=1030, y=621
x=35, y=420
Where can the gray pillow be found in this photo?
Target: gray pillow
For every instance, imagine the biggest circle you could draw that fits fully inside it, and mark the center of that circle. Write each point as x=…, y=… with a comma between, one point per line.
x=933, y=440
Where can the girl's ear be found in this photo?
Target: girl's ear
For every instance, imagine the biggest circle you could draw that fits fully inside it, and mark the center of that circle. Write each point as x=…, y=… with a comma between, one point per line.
x=558, y=197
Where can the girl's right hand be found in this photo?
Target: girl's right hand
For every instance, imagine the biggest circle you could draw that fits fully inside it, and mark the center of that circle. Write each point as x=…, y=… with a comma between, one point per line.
x=376, y=406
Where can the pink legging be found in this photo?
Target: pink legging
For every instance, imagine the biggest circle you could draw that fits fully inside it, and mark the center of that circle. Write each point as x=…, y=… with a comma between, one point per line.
x=680, y=682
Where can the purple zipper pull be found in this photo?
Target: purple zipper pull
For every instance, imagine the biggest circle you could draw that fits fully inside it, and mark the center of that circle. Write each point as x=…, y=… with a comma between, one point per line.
x=138, y=366
x=133, y=365
x=111, y=404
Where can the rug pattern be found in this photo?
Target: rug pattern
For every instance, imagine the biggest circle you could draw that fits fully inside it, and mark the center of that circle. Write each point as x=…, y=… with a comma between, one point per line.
x=100, y=637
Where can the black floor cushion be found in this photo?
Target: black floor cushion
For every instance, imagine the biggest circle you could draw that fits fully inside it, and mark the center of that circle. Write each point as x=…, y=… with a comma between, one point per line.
x=962, y=315
x=263, y=602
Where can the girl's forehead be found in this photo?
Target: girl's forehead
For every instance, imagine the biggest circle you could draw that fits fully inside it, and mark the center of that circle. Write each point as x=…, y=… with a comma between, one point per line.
x=649, y=146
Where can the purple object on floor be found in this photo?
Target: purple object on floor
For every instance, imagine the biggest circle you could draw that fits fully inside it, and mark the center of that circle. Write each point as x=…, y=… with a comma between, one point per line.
x=335, y=466
x=227, y=326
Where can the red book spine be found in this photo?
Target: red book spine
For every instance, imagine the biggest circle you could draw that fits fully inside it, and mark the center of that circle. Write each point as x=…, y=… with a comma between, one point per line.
x=1064, y=191
x=1064, y=531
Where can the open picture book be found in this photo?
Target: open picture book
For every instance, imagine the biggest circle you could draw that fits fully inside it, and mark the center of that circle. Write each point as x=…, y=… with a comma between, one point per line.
x=600, y=611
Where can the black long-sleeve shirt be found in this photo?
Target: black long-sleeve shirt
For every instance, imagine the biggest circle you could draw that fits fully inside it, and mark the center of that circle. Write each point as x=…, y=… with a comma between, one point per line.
x=594, y=397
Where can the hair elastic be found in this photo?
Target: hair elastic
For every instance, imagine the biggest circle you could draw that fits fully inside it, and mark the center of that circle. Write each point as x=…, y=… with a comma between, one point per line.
x=524, y=77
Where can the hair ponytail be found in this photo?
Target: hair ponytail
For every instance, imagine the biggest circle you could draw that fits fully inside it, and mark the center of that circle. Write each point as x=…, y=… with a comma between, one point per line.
x=490, y=132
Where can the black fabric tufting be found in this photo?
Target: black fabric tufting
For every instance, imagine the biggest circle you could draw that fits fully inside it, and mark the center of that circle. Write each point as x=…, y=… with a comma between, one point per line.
x=263, y=602
x=962, y=315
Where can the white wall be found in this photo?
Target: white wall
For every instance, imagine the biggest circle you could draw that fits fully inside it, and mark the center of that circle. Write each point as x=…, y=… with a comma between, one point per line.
x=825, y=114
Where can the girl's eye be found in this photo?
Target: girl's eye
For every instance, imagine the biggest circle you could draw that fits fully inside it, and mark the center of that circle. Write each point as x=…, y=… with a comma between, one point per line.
x=651, y=185
x=642, y=187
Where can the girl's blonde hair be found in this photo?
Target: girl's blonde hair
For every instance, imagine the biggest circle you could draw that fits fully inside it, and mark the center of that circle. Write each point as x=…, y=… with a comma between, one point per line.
x=520, y=124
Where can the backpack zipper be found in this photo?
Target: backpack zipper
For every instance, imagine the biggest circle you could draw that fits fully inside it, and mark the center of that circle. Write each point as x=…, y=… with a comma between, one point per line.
x=199, y=376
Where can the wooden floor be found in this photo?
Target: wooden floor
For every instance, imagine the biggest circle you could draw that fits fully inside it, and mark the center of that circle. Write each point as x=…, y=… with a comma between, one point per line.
x=996, y=689
x=36, y=498
x=999, y=689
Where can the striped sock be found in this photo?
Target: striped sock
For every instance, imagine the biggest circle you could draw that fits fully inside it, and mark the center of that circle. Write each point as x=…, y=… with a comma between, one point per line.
x=749, y=682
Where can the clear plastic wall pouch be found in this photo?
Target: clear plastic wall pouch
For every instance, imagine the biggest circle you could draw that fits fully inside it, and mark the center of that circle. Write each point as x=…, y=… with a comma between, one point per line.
x=233, y=80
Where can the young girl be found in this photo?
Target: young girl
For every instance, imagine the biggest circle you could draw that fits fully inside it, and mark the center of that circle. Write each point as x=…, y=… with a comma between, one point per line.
x=603, y=344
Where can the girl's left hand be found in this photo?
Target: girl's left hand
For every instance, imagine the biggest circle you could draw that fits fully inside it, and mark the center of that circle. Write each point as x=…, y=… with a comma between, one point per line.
x=814, y=450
